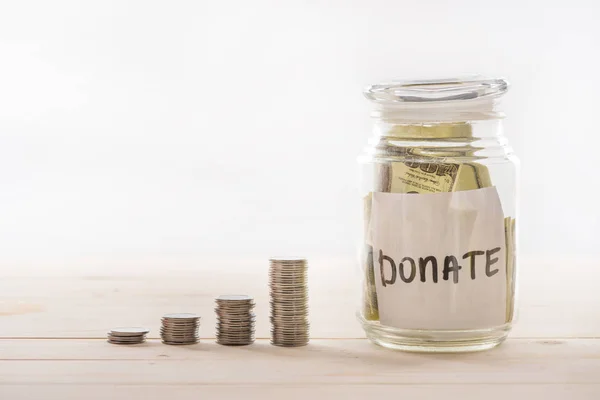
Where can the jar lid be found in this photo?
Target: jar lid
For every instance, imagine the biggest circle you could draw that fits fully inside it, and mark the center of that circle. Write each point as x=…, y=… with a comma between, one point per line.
x=436, y=90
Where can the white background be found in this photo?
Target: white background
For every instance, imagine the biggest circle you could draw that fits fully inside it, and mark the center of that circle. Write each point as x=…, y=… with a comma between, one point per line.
x=182, y=129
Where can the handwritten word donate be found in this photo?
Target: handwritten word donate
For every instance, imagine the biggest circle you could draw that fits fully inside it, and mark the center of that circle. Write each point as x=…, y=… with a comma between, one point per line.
x=407, y=267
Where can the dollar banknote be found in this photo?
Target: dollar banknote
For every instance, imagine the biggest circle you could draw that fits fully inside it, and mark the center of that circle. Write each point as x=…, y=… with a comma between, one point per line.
x=509, y=231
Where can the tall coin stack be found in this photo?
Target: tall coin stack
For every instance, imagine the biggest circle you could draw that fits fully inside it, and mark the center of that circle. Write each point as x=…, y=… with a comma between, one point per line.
x=235, y=320
x=288, y=286
x=181, y=328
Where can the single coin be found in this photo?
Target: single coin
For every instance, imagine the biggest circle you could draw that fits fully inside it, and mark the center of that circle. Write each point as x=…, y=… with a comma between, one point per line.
x=129, y=331
x=287, y=259
x=170, y=343
x=185, y=316
x=117, y=342
x=235, y=297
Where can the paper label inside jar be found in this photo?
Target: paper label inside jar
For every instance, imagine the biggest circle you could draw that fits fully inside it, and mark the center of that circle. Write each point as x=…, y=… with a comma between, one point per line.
x=440, y=259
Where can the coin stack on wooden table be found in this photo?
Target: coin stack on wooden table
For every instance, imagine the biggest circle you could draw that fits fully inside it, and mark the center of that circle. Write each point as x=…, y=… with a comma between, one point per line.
x=127, y=335
x=235, y=320
x=179, y=329
x=288, y=286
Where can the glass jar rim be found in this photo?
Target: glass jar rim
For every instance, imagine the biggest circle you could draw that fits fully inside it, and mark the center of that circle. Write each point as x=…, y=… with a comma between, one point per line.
x=437, y=91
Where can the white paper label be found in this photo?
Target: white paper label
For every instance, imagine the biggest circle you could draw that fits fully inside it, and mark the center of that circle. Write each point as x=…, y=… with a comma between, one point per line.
x=439, y=259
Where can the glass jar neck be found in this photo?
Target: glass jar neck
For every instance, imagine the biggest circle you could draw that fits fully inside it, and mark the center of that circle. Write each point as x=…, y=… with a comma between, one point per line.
x=439, y=130
x=441, y=120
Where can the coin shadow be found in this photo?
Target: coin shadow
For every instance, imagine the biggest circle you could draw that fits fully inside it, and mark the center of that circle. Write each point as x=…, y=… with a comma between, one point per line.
x=373, y=355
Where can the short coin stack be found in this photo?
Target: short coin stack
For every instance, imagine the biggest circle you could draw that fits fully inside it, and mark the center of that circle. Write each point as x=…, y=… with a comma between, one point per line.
x=288, y=288
x=127, y=335
x=181, y=328
x=235, y=320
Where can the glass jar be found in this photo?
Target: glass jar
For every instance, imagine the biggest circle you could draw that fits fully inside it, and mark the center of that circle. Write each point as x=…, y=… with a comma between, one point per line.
x=438, y=191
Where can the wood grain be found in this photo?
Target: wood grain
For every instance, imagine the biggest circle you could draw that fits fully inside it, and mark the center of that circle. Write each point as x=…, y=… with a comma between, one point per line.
x=354, y=368
x=75, y=391
x=87, y=301
x=323, y=362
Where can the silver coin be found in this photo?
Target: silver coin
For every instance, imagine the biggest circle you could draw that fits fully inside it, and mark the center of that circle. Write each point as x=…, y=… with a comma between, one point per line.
x=235, y=328
x=288, y=259
x=245, y=315
x=132, y=331
x=301, y=300
x=235, y=325
x=291, y=289
x=290, y=338
x=288, y=278
x=289, y=344
x=182, y=334
x=180, y=326
x=234, y=297
x=115, y=340
x=183, y=325
x=290, y=331
x=288, y=291
x=126, y=339
x=234, y=307
x=236, y=332
x=285, y=322
x=170, y=343
x=125, y=343
x=288, y=273
x=179, y=331
x=287, y=329
x=288, y=286
x=247, y=334
x=234, y=314
x=227, y=321
x=180, y=337
x=179, y=334
x=289, y=301
x=288, y=317
x=294, y=321
x=236, y=319
x=227, y=324
x=289, y=310
x=289, y=334
x=182, y=316
x=235, y=336
x=238, y=315
x=225, y=343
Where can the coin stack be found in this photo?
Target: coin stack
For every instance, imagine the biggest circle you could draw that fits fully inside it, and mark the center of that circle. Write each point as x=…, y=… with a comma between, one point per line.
x=180, y=328
x=288, y=288
x=235, y=320
x=127, y=335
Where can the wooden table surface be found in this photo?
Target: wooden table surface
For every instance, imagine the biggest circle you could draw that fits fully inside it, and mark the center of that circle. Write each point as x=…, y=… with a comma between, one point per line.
x=53, y=322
